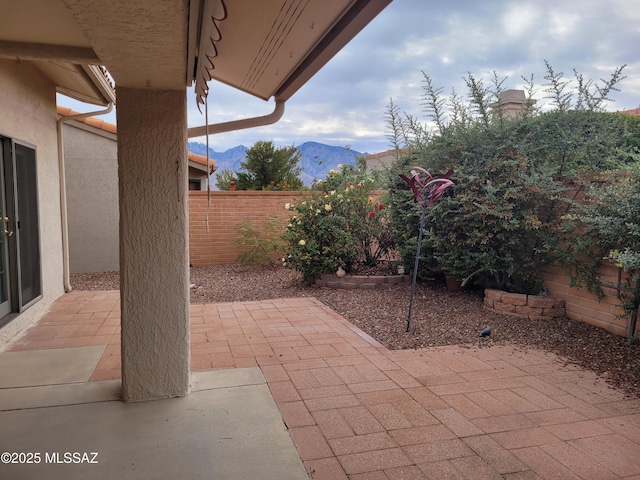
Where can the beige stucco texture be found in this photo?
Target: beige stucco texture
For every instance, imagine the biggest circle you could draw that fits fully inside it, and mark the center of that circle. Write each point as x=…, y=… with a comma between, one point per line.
x=91, y=173
x=154, y=252
x=27, y=103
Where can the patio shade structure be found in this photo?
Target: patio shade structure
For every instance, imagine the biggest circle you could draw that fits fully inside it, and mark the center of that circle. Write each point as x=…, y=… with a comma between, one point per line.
x=153, y=50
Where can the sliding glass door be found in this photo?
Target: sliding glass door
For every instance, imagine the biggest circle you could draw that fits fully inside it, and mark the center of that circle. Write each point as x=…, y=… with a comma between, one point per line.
x=5, y=300
x=20, y=262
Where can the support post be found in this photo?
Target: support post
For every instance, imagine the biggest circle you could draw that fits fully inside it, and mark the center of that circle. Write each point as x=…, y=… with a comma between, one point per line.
x=154, y=243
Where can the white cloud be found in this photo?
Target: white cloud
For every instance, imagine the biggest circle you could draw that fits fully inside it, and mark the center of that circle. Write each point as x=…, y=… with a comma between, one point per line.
x=563, y=24
x=520, y=18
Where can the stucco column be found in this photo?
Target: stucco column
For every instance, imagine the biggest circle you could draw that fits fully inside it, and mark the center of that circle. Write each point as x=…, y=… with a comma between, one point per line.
x=154, y=243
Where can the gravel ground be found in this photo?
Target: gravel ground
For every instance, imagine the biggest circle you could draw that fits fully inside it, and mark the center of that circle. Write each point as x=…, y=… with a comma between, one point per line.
x=439, y=317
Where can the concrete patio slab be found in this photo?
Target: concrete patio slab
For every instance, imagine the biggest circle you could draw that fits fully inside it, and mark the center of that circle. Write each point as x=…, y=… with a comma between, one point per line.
x=48, y=367
x=59, y=395
x=228, y=432
x=354, y=409
x=235, y=377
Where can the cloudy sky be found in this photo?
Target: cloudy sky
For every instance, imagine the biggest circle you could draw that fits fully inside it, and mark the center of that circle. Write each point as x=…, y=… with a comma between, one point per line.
x=345, y=103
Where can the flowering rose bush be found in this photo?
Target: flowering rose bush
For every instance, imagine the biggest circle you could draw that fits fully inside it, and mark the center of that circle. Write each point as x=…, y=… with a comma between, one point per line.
x=339, y=226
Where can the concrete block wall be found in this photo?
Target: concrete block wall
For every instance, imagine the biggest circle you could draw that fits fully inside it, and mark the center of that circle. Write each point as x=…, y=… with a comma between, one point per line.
x=582, y=305
x=228, y=210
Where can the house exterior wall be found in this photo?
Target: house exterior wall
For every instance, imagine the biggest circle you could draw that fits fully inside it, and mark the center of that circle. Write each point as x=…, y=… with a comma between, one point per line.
x=200, y=176
x=28, y=113
x=91, y=172
x=91, y=175
x=378, y=161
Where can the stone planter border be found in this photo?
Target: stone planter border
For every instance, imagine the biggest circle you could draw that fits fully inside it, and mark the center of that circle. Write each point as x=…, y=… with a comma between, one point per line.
x=532, y=307
x=359, y=281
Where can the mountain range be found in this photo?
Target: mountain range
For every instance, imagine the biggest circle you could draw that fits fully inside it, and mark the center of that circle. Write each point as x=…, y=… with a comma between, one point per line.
x=316, y=161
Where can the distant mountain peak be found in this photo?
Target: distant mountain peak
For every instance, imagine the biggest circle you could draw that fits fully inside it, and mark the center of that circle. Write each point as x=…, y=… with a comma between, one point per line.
x=316, y=161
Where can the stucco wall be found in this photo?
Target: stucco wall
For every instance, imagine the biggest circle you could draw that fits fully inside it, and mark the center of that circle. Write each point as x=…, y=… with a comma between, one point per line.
x=91, y=171
x=28, y=113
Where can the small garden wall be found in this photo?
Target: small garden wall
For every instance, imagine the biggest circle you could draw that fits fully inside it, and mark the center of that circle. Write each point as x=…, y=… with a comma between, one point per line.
x=574, y=303
x=584, y=306
x=532, y=307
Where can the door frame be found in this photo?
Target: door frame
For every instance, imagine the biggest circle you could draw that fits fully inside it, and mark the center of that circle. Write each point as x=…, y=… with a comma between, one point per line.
x=9, y=190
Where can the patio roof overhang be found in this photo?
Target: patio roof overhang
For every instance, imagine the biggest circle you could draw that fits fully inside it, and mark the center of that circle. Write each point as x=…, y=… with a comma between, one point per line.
x=267, y=48
x=270, y=48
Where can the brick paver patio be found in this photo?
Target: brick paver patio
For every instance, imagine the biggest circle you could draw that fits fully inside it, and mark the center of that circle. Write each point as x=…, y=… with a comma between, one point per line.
x=357, y=410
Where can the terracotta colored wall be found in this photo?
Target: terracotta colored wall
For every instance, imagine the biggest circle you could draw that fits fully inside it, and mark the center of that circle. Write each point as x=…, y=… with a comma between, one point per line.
x=583, y=305
x=228, y=210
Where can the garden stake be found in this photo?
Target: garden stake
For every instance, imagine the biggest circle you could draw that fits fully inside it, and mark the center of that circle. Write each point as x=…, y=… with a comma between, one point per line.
x=425, y=193
x=415, y=266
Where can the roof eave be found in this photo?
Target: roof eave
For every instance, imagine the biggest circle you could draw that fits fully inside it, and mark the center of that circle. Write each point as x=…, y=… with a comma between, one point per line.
x=355, y=19
x=345, y=28
x=102, y=84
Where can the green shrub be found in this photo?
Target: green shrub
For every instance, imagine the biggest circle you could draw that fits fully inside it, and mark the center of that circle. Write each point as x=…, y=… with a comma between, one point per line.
x=500, y=224
x=605, y=227
x=497, y=228
x=341, y=225
x=260, y=246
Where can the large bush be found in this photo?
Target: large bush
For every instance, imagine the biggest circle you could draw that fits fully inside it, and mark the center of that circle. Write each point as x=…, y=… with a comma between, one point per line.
x=341, y=225
x=500, y=223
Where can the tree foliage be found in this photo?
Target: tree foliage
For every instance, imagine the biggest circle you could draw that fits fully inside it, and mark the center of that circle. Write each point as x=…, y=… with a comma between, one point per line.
x=224, y=178
x=260, y=245
x=265, y=168
x=265, y=165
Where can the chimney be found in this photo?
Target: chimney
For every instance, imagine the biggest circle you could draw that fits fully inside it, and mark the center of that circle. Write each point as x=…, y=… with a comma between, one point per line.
x=512, y=102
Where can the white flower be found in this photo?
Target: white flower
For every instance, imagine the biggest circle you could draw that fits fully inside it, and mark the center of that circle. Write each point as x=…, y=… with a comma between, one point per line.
x=339, y=165
x=287, y=206
x=327, y=207
x=302, y=243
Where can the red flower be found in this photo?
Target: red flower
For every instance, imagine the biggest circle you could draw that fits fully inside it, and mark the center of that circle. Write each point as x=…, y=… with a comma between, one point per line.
x=380, y=207
x=372, y=214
